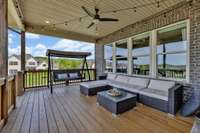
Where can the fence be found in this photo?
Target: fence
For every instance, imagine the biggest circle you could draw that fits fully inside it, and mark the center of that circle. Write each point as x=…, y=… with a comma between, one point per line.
x=39, y=78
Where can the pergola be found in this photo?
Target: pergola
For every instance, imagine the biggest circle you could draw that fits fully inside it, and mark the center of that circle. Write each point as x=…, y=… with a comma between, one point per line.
x=65, y=54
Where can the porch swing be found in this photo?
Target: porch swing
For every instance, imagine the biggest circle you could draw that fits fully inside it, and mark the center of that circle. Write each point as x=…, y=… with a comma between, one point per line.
x=66, y=75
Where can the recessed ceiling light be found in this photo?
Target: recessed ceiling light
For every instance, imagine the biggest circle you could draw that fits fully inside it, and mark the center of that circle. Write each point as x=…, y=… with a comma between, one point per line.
x=47, y=22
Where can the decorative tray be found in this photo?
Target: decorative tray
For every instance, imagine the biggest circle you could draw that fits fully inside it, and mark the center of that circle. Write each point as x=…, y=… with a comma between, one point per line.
x=114, y=92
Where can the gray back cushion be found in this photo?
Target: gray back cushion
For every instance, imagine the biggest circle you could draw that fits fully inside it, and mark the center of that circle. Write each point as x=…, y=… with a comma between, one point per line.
x=111, y=76
x=161, y=85
x=138, y=81
x=122, y=79
x=62, y=76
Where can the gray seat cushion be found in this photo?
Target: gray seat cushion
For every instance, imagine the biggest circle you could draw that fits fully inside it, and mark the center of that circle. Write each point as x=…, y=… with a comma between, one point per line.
x=62, y=76
x=97, y=83
x=159, y=94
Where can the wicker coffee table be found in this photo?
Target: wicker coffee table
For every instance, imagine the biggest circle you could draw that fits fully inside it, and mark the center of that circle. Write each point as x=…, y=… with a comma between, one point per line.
x=116, y=105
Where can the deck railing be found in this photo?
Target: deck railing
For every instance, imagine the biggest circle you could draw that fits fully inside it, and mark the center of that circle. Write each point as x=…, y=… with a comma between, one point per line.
x=39, y=78
x=168, y=73
x=7, y=97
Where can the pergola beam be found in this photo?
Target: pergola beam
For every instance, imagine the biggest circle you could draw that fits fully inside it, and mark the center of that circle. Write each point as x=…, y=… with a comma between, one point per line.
x=60, y=33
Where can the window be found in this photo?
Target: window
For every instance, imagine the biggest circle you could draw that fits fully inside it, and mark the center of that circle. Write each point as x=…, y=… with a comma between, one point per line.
x=171, y=52
x=13, y=63
x=31, y=63
x=141, y=54
x=121, y=57
x=108, y=57
x=12, y=72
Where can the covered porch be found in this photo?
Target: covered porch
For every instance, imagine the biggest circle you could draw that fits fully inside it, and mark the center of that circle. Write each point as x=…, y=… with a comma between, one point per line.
x=28, y=106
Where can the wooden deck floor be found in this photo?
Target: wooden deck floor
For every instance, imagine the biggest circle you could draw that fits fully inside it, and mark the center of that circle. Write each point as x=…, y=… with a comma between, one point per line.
x=68, y=111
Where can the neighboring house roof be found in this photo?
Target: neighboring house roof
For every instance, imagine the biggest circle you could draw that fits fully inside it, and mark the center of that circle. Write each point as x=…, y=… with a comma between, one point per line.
x=14, y=55
x=28, y=56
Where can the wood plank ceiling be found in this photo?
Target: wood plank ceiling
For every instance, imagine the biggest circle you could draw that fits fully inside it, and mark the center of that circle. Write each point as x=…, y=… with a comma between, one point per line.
x=36, y=12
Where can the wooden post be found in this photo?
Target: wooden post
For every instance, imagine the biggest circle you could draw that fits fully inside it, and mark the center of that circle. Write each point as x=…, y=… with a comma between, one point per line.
x=23, y=51
x=19, y=84
x=4, y=53
x=14, y=95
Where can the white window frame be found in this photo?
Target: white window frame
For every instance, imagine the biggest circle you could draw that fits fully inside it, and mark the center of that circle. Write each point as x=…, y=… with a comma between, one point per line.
x=187, y=22
x=143, y=55
x=115, y=52
x=111, y=45
x=153, y=52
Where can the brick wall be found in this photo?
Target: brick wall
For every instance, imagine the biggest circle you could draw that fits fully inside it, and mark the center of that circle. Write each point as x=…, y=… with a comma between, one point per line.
x=172, y=15
x=195, y=43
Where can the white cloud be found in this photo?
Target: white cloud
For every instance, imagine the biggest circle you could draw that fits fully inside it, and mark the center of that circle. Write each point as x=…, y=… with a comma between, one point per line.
x=10, y=38
x=70, y=45
x=40, y=47
x=17, y=50
x=39, y=50
x=32, y=36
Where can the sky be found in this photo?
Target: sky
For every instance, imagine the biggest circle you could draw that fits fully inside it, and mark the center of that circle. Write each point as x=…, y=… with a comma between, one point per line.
x=37, y=45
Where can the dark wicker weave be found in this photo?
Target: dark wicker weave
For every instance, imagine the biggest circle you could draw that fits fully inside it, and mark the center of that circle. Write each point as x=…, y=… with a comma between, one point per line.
x=93, y=91
x=117, y=105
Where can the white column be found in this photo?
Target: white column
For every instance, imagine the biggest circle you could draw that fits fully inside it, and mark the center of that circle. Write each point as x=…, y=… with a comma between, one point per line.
x=99, y=59
x=114, y=57
x=188, y=51
x=153, y=63
x=130, y=64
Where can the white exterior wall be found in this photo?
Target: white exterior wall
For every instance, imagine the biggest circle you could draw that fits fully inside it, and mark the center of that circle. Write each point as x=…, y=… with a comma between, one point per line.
x=14, y=67
x=41, y=67
x=31, y=66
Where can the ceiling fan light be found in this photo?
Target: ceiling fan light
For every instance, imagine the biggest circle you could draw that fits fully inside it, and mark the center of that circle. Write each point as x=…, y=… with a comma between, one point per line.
x=96, y=21
x=96, y=33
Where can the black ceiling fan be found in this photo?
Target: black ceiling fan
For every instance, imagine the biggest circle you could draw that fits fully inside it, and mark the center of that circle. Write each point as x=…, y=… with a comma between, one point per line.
x=96, y=17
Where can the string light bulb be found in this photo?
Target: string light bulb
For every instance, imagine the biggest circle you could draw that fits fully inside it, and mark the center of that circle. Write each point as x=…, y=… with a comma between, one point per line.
x=158, y=4
x=80, y=19
x=135, y=9
x=54, y=27
x=66, y=23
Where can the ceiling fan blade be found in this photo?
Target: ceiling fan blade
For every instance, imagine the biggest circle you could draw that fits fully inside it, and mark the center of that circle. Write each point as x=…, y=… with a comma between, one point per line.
x=90, y=25
x=108, y=19
x=87, y=11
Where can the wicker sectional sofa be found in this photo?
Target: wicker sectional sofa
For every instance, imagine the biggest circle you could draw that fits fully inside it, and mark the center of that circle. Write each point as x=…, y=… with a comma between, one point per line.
x=160, y=94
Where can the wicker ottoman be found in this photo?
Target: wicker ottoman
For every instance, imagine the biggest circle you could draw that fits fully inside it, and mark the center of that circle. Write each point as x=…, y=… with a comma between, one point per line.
x=117, y=105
